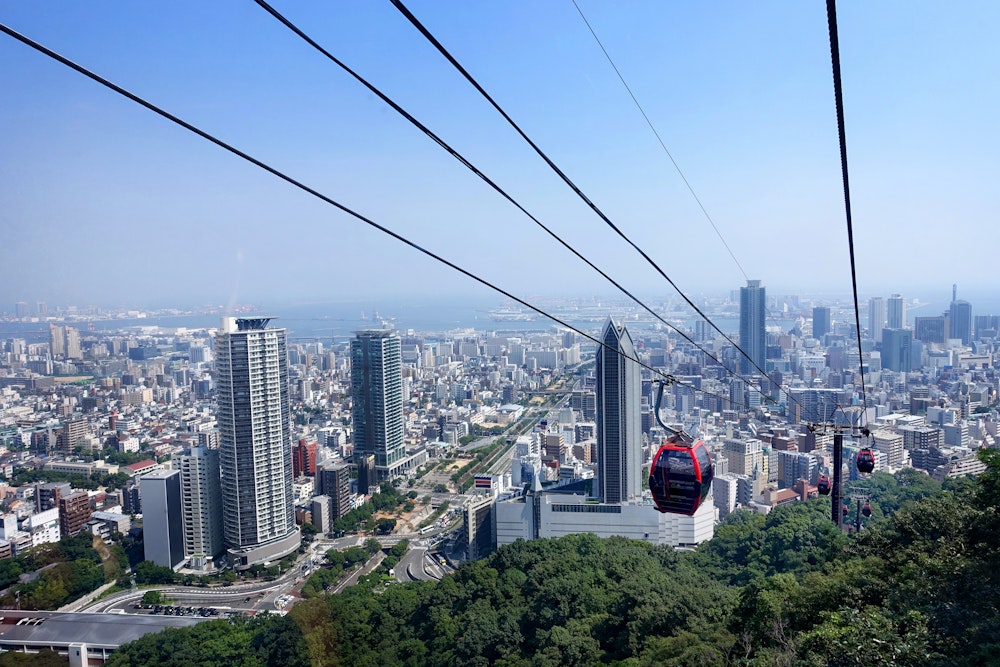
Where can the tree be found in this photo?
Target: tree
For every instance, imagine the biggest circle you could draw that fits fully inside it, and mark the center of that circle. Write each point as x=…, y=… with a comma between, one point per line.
x=354, y=555
x=44, y=658
x=148, y=572
x=399, y=548
x=154, y=597
x=385, y=526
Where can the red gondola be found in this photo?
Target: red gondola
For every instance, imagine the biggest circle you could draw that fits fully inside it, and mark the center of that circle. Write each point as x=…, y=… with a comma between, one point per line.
x=866, y=460
x=681, y=476
x=866, y=509
x=823, y=485
x=846, y=511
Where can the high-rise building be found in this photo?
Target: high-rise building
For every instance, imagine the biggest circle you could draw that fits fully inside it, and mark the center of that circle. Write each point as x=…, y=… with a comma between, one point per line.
x=896, y=312
x=960, y=319
x=753, y=338
x=821, y=321
x=304, y=458
x=209, y=439
x=876, y=317
x=745, y=455
x=57, y=340
x=333, y=481
x=131, y=498
x=889, y=443
x=814, y=405
x=201, y=501
x=255, y=446
x=377, y=408
x=162, y=523
x=897, y=345
x=47, y=494
x=74, y=513
x=73, y=349
x=929, y=329
x=793, y=466
x=619, y=422
x=73, y=432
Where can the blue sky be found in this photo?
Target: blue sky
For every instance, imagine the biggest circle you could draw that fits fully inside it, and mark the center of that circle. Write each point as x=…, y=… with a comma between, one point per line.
x=103, y=202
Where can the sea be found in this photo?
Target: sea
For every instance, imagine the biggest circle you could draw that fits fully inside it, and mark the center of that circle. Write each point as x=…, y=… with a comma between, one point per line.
x=336, y=322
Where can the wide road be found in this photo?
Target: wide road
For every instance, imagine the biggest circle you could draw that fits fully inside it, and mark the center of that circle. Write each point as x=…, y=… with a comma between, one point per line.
x=419, y=565
x=262, y=594
x=502, y=464
x=228, y=596
x=372, y=563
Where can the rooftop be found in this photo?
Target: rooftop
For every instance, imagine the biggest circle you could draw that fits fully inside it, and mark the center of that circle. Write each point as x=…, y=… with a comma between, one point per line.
x=48, y=628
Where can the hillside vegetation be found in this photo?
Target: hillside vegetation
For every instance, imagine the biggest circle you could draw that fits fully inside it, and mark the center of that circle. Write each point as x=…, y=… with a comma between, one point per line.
x=918, y=586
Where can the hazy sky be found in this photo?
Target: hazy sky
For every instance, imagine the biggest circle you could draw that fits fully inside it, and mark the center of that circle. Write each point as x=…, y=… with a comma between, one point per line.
x=103, y=202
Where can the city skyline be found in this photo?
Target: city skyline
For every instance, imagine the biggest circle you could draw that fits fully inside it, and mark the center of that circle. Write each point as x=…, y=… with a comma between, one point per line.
x=92, y=178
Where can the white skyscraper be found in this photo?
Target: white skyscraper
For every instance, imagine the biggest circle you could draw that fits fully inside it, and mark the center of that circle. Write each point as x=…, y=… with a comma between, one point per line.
x=876, y=317
x=619, y=421
x=896, y=312
x=201, y=499
x=255, y=444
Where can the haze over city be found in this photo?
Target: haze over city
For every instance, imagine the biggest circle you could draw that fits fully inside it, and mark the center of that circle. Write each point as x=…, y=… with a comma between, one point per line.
x=105, y=203
x=284, y=381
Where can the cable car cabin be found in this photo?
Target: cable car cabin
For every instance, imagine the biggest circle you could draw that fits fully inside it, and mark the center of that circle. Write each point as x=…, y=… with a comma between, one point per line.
x=823, y=485
x=866, y=509
x=866, y=460
x=681, y=477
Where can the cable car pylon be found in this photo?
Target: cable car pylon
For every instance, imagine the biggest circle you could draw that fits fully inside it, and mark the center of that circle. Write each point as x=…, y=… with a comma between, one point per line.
x=837, y=485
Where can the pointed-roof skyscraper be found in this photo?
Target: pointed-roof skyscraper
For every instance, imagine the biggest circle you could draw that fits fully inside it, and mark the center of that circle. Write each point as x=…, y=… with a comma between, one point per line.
x=619, y=424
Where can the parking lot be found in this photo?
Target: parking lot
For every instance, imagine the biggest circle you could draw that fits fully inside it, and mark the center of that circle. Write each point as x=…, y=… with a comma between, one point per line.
x=171, y=610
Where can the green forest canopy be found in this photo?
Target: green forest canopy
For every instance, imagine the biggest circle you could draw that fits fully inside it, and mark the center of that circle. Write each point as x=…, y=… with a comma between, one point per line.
x=918, y=586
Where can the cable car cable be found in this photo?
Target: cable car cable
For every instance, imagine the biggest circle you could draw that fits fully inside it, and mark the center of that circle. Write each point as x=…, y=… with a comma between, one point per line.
x=663, y=145
x=838, y=93
x=332, y=202
x=770, y=314
x=451, y=59
x=465, y=162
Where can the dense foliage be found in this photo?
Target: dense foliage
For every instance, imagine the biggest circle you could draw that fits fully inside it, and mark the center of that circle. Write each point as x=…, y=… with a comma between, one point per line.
x=920, y=585
x=110, y=481
x=387, y=499
x=61, y=572
x=257, y=642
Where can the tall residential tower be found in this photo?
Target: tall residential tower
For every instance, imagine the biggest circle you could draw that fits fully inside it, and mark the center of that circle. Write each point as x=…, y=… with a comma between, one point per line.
x=255, y=442
x=377, y=406
x=201, y=499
